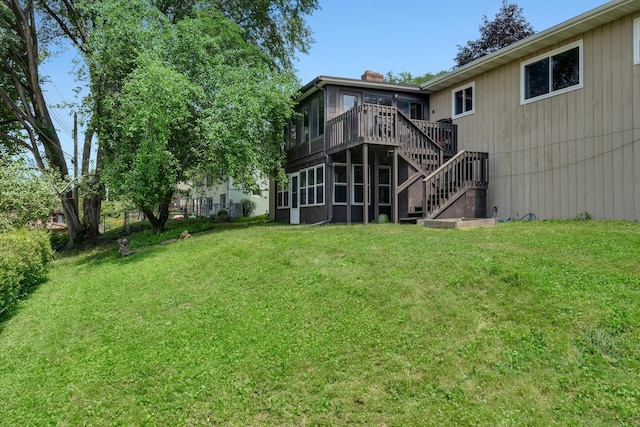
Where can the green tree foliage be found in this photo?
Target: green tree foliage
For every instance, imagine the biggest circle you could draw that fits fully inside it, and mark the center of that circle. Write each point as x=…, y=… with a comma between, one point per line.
x=406, y=78
x=119, y=39
x=24, y=255
x=25, y=122
x=508, y=27
x=277, y=27
x=184, y=94
x=26, y=194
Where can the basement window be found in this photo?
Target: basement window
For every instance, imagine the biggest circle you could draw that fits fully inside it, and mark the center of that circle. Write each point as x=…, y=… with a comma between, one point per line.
x=556, y=72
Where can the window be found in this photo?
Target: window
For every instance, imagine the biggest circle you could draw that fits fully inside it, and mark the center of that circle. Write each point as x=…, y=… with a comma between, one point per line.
x=357, y=185
x=557, y=72
x=317, y=116
x=349, y=102
x=378, y=99
x=463, y=100
x=636, y=41
x=413, y=110
x=339, y=184
x=312, y=186
x=303, y=125
x=384, y=185
x=309, y=123
x=283, y=194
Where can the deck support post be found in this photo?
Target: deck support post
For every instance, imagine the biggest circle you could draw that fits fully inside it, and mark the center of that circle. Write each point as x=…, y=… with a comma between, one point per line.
x=376, y=187
x=365, y=184
x=349, y=179
x=395, y=185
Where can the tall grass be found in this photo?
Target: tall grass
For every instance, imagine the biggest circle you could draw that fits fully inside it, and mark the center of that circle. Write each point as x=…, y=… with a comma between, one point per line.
x=522, y=324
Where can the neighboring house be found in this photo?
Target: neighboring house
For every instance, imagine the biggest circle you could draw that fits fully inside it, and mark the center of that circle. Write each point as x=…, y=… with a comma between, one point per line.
x=212, y=198
x=549, y=125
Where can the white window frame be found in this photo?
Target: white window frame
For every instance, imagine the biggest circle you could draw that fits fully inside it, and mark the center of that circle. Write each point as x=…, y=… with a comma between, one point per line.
x=340, y=183
x=380, y=168
x=636, y=41
x=282, y=191
x=549, y=55
x=313, y=170
x=355, y=184
x=462, y=88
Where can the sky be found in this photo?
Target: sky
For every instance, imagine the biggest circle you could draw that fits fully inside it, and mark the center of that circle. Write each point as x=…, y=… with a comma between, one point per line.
x=351, y=36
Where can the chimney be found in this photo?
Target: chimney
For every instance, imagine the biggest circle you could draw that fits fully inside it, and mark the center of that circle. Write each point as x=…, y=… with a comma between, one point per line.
x=371, y=76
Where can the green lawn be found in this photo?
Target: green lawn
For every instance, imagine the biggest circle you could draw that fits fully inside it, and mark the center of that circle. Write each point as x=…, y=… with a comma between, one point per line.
x=522, y=324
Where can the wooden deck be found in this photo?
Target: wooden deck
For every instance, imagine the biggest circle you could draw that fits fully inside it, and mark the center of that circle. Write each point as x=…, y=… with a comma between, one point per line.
x=382, y=125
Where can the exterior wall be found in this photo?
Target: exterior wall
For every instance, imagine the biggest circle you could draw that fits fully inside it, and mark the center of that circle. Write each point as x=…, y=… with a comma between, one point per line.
x=261, y=200
x=303, y=153
x=567, y=154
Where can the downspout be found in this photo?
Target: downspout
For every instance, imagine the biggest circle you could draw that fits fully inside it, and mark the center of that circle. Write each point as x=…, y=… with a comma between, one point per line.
x=327, y=162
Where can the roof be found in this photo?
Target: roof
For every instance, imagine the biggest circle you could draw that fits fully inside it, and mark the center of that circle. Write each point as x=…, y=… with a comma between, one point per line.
x=321, y=81
x=587, y=21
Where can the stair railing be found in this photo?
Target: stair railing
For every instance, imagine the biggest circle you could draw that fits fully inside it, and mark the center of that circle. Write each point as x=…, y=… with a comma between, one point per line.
x=420, y=147
x=467, y=169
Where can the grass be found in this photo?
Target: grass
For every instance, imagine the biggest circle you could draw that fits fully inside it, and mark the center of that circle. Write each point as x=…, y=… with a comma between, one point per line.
x=522, y=324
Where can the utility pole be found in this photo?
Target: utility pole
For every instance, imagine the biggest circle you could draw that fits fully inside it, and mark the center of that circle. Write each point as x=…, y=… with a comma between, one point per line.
x=75, y=161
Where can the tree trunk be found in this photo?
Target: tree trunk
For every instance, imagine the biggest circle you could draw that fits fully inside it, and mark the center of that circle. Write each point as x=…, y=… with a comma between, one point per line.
x=158, y=222
x=92, y=201
x=29, y=106
x=70, y=217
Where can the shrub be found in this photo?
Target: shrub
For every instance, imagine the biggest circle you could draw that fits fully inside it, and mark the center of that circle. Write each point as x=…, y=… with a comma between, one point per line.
x=24, y=256
x=222, y=216
x=248, y=207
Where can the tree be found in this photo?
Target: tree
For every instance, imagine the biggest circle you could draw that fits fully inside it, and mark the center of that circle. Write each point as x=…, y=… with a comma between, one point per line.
x=508, y=27
x=183, y=96
x=276, y=27
x=406, y=78
x=25, y=120
x=26, y=194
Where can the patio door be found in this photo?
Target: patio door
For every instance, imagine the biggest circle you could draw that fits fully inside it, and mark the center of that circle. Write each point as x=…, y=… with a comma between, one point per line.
x=294, y=188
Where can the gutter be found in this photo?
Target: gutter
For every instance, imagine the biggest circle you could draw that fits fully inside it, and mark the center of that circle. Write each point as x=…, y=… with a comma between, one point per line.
x=577, y=23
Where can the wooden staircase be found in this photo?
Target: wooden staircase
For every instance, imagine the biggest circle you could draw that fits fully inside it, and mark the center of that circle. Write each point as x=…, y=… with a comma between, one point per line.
x=465, y=171
x=430, y=148
x=443, y=183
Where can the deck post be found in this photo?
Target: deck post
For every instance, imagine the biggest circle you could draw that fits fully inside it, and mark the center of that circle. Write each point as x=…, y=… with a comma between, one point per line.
x=349, y=179
x=365, y=184
x=376, y=186
x=395, y=185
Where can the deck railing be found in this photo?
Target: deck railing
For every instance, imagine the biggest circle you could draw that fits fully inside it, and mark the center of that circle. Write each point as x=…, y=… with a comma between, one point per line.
x=467, y=169
x=442, y=133
x=378, y=124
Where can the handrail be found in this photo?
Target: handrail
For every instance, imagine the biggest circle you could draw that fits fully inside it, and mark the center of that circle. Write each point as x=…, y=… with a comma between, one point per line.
x=423, y=141
x=467, y=169
x=442, y=133
x=418, y=145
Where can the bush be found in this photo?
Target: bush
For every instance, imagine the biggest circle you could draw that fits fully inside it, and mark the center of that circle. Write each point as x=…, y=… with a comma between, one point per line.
x=222, y=216
x=24, y=256
x=248, y=207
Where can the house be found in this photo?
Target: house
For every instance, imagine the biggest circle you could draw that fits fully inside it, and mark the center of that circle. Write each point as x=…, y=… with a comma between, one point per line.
x=210, y=198
x=368, y=143
x=559, y=115
x=549, y=125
